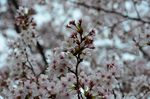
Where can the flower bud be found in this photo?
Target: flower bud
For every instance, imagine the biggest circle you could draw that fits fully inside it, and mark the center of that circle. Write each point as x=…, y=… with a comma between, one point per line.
x=72, y=22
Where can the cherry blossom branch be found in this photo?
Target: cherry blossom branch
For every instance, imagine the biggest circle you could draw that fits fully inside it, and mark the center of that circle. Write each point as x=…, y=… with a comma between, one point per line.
x=39, y=46
x=81, y=43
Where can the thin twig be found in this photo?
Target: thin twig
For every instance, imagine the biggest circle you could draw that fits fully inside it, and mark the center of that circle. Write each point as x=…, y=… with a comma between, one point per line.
x=69, y=69
x=136, y=9
x=31, y=67
x=77, y=77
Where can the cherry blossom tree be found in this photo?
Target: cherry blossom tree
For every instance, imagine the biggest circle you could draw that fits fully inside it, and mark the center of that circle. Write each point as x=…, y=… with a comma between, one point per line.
x=85, y=49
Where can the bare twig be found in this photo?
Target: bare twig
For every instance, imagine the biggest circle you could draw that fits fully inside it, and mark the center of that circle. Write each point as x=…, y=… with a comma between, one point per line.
x=146, y=55
x=31, y=67
x=136, y=9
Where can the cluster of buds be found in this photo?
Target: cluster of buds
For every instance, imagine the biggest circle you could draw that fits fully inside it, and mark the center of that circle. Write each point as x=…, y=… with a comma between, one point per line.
x=26, y=24
x=26, y=40
x=81, y=41
x=24, y=19
x=110, y=66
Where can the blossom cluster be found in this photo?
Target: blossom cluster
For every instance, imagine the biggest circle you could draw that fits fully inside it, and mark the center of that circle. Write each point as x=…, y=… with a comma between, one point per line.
x=64, y=76
x=26, y=24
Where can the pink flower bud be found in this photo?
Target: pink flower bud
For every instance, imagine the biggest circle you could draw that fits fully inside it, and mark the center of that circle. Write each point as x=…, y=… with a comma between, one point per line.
x=72, y=22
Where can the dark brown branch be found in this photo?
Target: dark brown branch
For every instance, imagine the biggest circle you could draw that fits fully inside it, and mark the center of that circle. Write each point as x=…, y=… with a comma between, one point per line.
x=77, y=76
x=31, y=67
x=98, y=8
x=115, y=96
x=69, y=69
x=145, y=55
x=134, y=4
x=12, y=10
x=14, y=2
x=41, y=51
